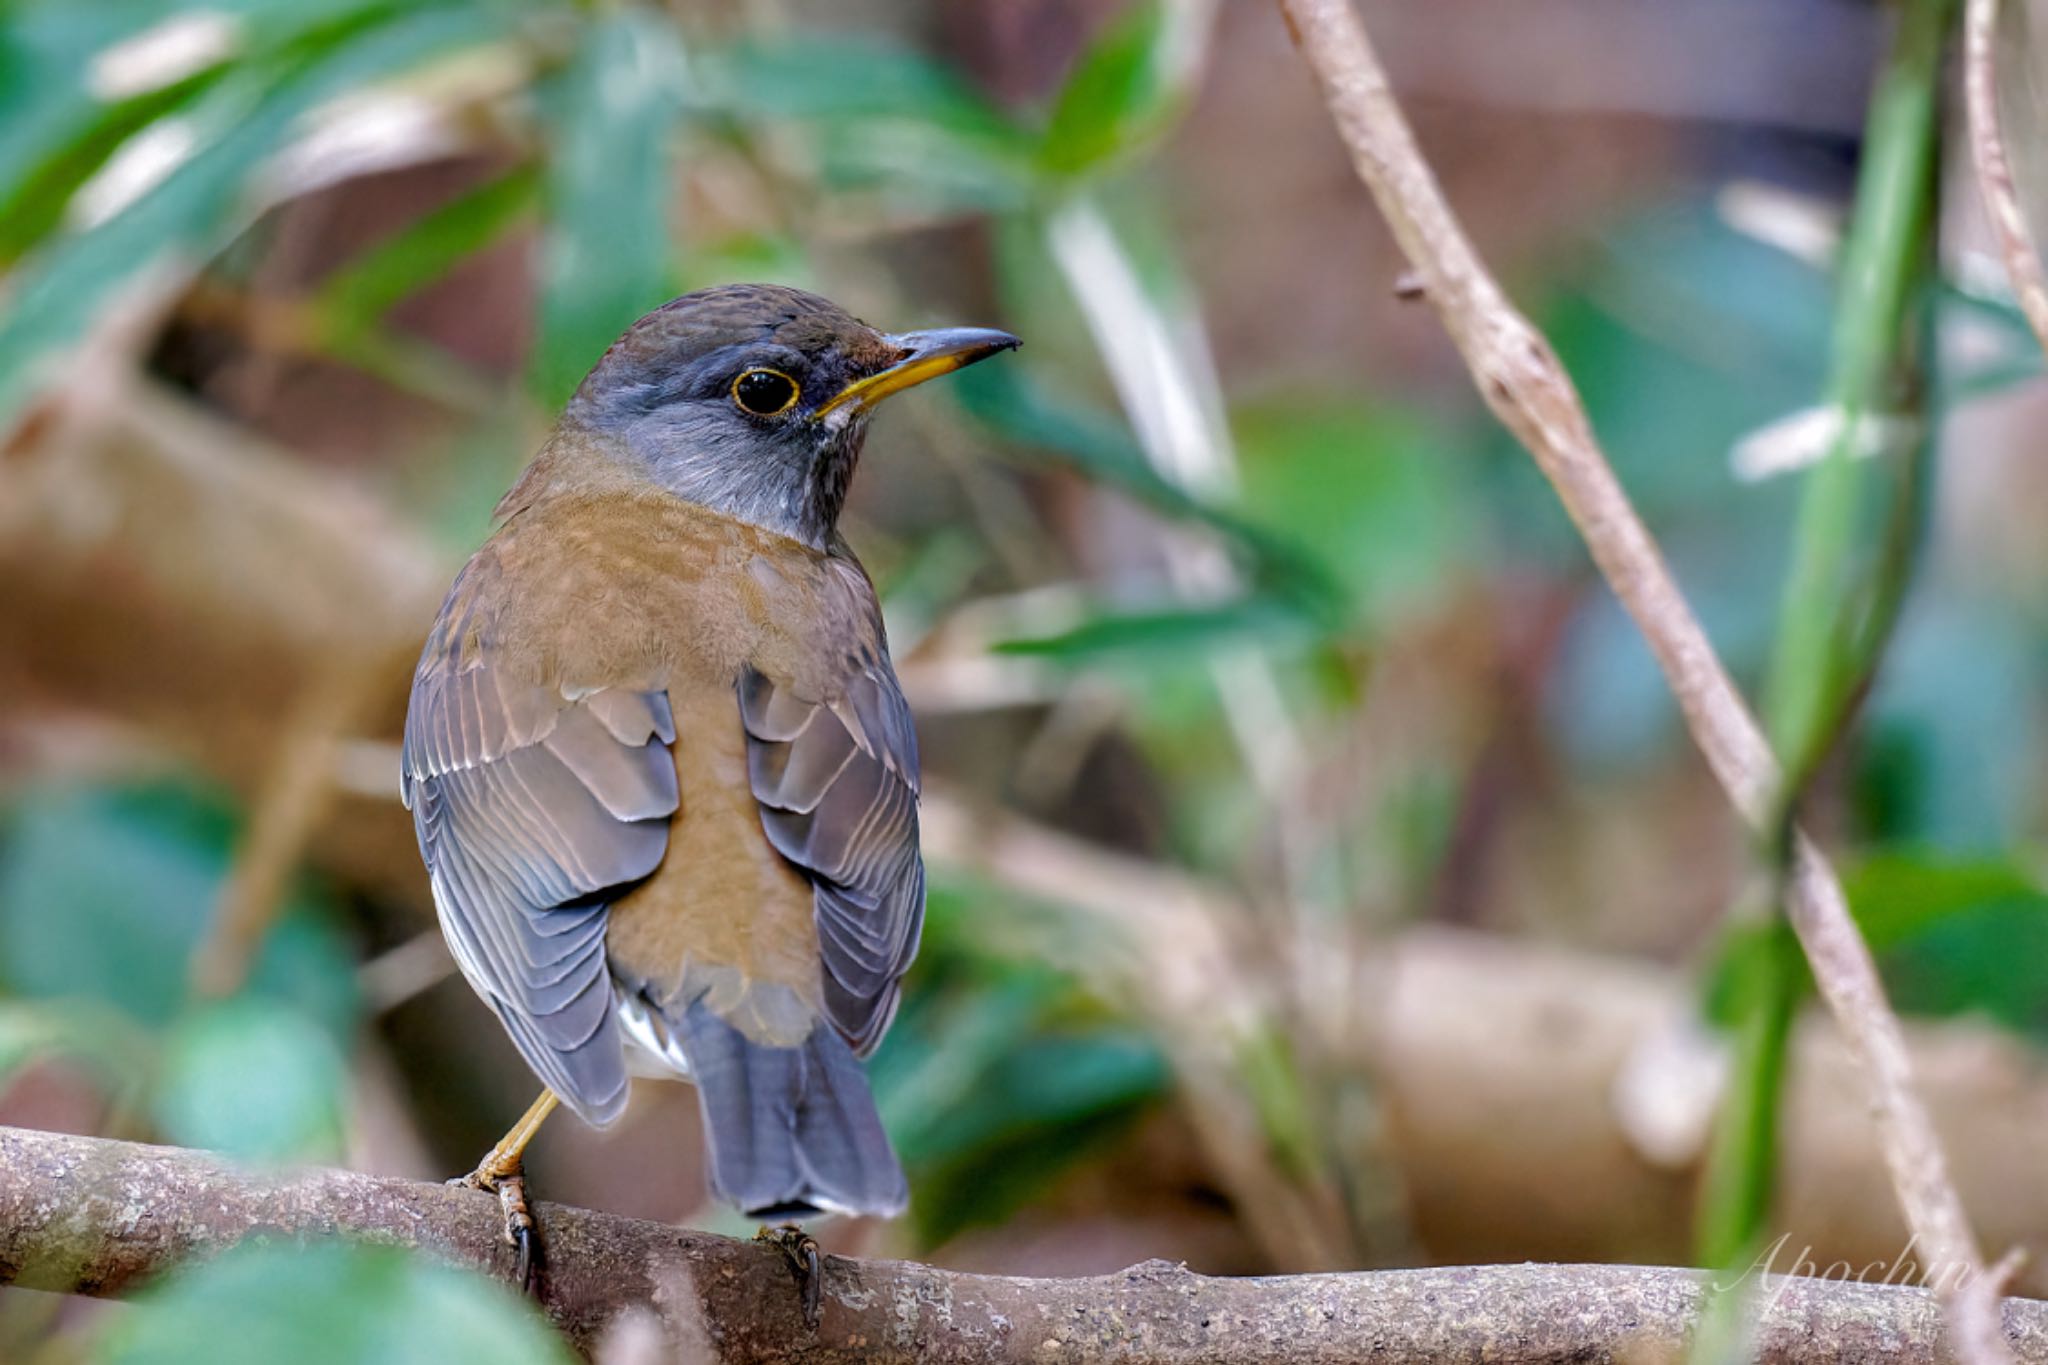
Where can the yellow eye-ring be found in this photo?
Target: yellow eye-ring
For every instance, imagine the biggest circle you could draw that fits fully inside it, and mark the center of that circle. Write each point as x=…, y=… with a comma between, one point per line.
x=765, y=393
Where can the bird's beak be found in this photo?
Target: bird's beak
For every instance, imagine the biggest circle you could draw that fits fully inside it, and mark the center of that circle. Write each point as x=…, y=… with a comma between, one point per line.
x=927, y=355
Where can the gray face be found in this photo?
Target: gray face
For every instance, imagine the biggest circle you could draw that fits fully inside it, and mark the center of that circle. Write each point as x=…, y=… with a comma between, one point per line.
x=753, y=399
x=787, y=471
x=716, y=398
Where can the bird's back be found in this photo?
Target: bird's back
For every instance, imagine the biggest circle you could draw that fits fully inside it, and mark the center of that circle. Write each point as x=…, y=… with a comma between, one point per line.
x=714, y=955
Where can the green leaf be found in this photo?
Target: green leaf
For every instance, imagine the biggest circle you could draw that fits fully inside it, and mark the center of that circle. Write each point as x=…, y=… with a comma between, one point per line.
x=46, y=53
x=848, y=76
x=609, y=124
x=59, y=289
x=1946, y=931
x=1949, y=933
x=1898, y=895
x=254, y=1080
x=1375, y=494
x=52, y=143
x=1062, y=1100
x=353, y=299
x=1170, y=633
x=878, y=115
x=992, y=1116
x=103, y=894
x=1272, y=1079
x=1001, y=1073
x=331, y=1303
x=33, y=205
x=1125, y=90
x=1039, y=426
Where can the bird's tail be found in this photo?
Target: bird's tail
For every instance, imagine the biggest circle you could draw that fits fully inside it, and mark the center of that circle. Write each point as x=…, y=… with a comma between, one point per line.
x=792, y=1130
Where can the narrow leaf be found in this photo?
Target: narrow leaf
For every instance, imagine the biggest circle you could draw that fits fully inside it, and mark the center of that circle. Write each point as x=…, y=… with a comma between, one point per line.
x=1127, y=87
x=609, y=190
x=354, y=298
x=60, y=288
x=1172, y=632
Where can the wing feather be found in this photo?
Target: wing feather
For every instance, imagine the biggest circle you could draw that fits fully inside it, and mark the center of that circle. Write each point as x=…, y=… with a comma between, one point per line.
x=534, y=810
x=836, y=780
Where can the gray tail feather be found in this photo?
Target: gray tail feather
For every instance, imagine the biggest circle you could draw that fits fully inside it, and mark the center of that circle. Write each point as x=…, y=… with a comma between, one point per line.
x=792, y=1130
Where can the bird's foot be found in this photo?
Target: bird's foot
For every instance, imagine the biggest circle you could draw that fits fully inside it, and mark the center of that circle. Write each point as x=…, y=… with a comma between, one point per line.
x=800, y=1249
x=508, y=1182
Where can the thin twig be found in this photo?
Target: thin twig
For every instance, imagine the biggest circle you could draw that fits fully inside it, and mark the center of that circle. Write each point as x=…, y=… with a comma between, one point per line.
x=93, y=1216
x=296, y=795
x=1523, y=382
x=1994, y=165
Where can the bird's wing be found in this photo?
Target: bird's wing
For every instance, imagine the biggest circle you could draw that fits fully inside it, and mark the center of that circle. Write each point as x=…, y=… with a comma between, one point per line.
x=836, y=780
x=533, y=809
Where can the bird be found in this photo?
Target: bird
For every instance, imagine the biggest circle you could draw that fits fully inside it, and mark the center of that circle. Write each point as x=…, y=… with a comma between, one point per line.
x=663, y=776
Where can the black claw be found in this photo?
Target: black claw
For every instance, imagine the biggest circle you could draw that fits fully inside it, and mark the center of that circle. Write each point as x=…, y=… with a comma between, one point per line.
x=813, y=1278
x=520, y=1232
x=529, y=1262
x=806, y=1265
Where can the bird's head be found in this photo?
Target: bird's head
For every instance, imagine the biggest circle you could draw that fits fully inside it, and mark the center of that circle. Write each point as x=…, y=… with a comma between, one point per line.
x=753, y=399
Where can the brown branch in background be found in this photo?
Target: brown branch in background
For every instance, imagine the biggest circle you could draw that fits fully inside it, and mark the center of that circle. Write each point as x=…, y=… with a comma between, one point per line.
x=1994, y=165
x=1523, y=382
x=1513, y=1073
x=296, y=794
x=91, y=1215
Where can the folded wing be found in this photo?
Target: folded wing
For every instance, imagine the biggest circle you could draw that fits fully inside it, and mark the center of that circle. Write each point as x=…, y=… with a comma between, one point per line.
x=836, y=779
x=534, y=811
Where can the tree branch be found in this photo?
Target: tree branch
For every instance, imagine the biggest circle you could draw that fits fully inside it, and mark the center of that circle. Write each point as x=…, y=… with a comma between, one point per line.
x=89, y=1215
x=1994, y=165
x=1523, y=382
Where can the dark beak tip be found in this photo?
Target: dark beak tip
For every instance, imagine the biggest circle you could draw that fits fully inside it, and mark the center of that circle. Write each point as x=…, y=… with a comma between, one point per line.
x=969, y=344
x=989, y=342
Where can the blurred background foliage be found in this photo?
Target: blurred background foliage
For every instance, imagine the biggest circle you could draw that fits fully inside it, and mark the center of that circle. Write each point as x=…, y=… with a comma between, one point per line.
x=1223, y=596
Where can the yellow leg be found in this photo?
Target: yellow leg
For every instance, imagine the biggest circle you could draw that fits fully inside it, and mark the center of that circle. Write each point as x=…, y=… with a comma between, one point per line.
x=503, y=1160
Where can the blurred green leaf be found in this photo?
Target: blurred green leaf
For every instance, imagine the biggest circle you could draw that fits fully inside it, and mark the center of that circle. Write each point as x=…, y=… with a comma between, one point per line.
x=1000, y=1074
x=103, y=894
x=610, y=123
x=848, y=76
x=1896, y=895
x=254, y=1080
x=1064, y=1098
x=45, y=52
x=1026, y=1105
x=1946, y=931
x=237, y=123
x=1377, y=495
x=1965, y=964
x=52, y=143
x=1125, y=89
x=1170, y=633
x=1272, y=1079
x=328, y=1304
x=1098, y=447
x=1949, y=931
x=878, y=116
x=353, y=299
x=34, y=203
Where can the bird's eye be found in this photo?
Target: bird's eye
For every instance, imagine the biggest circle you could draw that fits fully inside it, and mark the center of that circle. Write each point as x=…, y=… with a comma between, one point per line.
x=765, y=393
